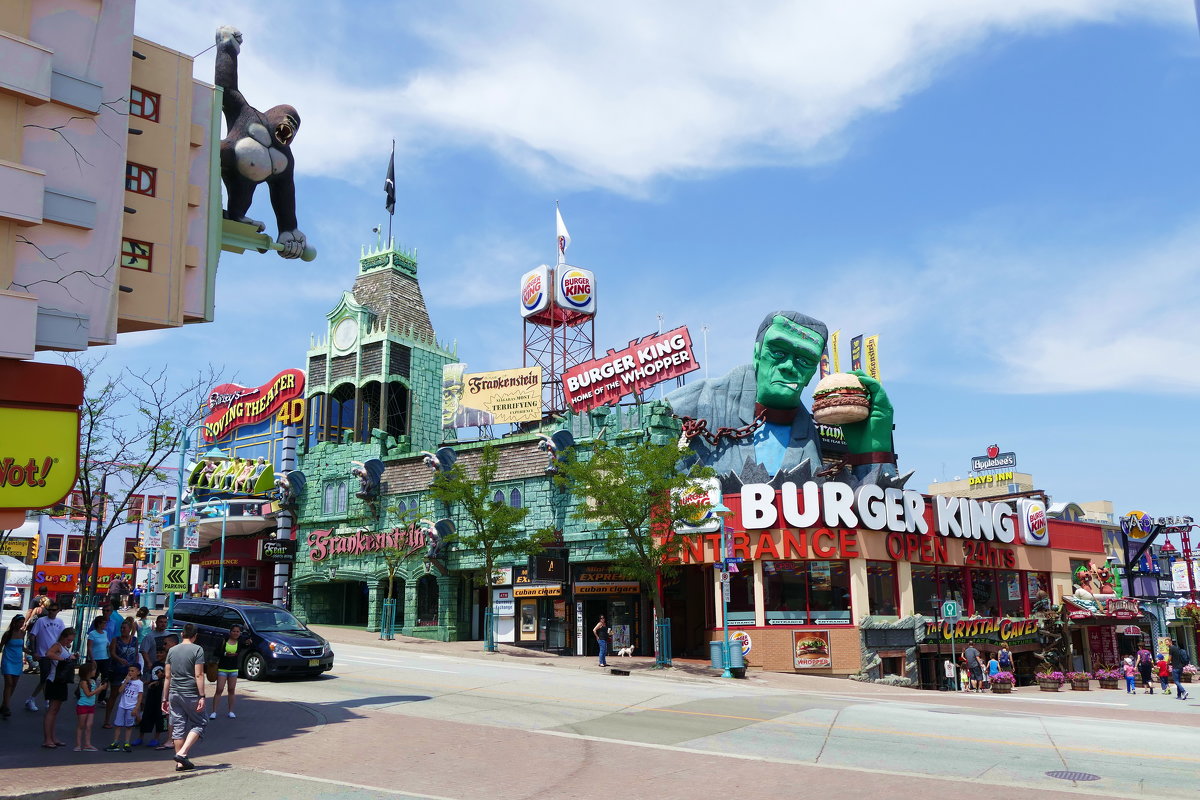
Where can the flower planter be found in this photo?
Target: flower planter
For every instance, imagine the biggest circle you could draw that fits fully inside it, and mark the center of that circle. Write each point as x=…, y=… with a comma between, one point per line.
x=1186, y=677
x=1001, y=688
x=1081, y=686
x=1109, y=684
x=1049, y=686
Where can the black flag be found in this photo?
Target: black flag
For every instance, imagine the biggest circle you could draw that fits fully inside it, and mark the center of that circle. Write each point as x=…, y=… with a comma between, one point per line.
x=389, y=185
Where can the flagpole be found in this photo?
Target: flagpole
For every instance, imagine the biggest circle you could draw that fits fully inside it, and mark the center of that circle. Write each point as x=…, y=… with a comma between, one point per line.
x=392, y=212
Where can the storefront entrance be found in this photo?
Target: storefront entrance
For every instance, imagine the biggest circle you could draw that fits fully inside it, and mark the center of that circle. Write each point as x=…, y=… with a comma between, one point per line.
x=623, y=615
x=688, y=603
x=352, y=600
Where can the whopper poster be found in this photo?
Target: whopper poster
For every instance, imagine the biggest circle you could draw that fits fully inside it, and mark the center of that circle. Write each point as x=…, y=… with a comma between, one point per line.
x=470, y=399
x=642, y=364
x=810, y=650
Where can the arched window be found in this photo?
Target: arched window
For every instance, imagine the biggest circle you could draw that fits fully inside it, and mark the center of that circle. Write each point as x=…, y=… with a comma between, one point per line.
x=498, y=497
x=401, y=509
x=514, y=498
x=316, y=419
x=368, y=417
x=427, y=600
x=341, y=412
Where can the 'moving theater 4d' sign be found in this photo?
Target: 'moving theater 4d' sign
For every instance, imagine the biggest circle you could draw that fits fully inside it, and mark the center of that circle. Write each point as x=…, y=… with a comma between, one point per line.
x=232, y=405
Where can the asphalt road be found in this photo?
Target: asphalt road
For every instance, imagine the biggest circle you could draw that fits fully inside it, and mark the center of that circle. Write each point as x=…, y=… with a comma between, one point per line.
x=517, y=714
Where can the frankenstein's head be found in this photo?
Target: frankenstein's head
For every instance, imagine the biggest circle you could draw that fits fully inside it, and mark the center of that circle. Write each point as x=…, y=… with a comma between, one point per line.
x=787, y=352
x=452, y=392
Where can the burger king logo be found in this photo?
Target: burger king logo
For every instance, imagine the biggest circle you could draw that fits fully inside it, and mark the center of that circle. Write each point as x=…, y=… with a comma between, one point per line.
x=1035, y=525
x=532, y=292
x=576, y=288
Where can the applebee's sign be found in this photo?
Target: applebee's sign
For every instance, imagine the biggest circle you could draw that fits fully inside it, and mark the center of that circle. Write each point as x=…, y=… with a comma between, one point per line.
x=994, y=459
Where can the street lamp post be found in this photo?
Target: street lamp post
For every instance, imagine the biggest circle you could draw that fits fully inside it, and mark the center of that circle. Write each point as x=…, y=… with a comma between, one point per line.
x=722, y=511
x=221, y=572
x=177, y=534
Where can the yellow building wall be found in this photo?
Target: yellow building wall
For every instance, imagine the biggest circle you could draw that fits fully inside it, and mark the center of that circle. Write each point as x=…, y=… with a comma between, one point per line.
x=157, y=299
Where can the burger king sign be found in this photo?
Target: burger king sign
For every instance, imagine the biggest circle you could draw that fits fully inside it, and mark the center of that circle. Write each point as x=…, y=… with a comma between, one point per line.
x=576, y=290
x=535, y=291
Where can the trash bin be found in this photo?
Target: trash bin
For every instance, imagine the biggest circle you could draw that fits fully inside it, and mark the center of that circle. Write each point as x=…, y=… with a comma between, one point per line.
x=716, y=655
x=737, y=659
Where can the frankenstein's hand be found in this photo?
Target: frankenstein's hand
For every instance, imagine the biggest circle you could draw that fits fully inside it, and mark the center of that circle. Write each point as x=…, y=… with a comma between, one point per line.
x=873, y=434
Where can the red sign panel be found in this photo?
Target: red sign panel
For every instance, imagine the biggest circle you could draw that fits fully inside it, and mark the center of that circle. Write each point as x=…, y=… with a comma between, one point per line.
x=232, y=405
x=644, y=363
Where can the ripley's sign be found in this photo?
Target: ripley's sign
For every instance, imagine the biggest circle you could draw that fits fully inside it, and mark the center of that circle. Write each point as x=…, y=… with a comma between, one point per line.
x=230, y=405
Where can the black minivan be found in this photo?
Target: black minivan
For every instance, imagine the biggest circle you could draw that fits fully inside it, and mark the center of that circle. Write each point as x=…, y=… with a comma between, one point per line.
x=276, y=642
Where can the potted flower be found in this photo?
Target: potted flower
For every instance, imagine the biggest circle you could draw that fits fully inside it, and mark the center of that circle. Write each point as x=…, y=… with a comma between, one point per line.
x=1109, y=678
x=1002, y=682
x=1050, y=681
x=1187, y=676
x=1080, y=681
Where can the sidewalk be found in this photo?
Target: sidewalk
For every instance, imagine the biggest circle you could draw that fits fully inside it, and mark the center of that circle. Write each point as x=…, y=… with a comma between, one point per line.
x=1099, y=704
x=263, y=730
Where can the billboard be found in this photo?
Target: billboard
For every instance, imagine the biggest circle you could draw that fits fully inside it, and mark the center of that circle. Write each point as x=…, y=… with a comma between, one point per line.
x=646, y=362
x=810, y=650
x=231, y=405
x=470, y=399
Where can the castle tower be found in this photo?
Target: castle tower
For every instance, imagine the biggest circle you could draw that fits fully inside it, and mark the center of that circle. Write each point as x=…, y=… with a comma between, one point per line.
x=376, y=373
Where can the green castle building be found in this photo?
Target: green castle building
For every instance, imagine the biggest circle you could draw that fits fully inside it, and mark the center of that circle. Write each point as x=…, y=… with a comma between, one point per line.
x=374, y=392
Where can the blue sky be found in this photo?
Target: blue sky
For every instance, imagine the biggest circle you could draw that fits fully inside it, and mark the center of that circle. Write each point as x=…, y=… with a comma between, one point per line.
x=1004, y=191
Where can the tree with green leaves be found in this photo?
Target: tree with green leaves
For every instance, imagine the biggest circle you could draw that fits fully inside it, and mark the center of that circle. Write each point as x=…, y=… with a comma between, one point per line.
x=635, y=494
x=129, y=427
x=489, y=527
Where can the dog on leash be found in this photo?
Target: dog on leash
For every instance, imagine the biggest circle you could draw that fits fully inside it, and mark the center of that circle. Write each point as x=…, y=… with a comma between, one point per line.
x=625, y=651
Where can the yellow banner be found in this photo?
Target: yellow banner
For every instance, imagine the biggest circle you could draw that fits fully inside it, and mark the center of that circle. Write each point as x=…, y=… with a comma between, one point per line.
x=537, y=591
x=834, y=338
x=470, y=399
x=38, y=456
x=872, y=350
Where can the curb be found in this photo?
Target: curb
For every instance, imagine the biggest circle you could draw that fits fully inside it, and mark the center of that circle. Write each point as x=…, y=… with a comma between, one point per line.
x=100, y=788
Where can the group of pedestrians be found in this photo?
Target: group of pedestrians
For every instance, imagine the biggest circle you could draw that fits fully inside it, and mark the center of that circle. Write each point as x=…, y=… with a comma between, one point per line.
x=143, y=677
x=977, y=671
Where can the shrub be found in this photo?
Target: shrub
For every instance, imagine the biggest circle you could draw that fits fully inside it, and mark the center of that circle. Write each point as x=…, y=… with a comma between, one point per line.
x=1079, y=676
x=1004, y=677
x=1107, y=674
x=1055, y=676
x=1192, y=669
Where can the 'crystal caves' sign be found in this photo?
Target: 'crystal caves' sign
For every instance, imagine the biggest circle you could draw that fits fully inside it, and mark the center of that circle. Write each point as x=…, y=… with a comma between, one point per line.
x=323, y=544
x=984, y=630
x=644, y=363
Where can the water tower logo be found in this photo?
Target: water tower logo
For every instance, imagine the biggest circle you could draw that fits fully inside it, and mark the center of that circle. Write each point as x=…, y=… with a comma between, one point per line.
x=535, y=294
x=577, y=289
x=531, y=292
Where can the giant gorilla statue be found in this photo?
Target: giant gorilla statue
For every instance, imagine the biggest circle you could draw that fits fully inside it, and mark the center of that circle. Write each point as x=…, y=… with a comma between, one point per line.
x=257, y=149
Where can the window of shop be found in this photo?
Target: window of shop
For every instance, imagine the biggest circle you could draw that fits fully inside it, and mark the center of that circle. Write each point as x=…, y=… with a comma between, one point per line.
x=74, y=549
x=136, y=254
x=934, y=585
x=1038, y=587
x=133, y=507
x=140, y=179
x=427, y=601
x=806, y=591
x=53, y=549
x=144, y=104
x=1008, y=586
x=983, y=593
x=335, y=498
x=130, y=546
x=252, y=577
x=741, y=598
x=882, y=588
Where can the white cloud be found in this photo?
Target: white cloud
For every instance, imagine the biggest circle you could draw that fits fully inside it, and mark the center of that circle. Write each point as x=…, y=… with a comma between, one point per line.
x=613, y=94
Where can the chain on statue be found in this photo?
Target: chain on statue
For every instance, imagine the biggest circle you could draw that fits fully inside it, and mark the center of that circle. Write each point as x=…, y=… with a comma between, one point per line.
x=699, y=427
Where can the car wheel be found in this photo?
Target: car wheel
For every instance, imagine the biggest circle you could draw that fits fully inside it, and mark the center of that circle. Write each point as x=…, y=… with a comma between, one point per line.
x=254, y=667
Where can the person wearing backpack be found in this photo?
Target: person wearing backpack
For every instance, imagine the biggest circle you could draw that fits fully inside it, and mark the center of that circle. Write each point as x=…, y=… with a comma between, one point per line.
x=1005, y=659
x=1145, y=665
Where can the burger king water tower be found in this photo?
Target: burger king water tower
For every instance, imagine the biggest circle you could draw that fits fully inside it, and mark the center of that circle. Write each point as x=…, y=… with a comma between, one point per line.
x=558, y=306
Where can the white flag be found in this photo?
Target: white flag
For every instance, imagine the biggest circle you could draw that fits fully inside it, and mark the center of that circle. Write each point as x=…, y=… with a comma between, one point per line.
x=564, y=238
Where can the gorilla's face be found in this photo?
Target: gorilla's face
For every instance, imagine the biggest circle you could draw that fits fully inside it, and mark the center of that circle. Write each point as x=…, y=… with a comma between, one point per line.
x=285, y=123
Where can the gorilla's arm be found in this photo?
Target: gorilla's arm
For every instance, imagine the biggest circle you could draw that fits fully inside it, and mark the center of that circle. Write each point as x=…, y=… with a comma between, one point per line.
x=229, y=44
x=283, y=200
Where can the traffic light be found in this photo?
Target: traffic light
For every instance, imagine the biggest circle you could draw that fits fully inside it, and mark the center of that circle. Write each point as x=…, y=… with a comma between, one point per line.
x=33, y=550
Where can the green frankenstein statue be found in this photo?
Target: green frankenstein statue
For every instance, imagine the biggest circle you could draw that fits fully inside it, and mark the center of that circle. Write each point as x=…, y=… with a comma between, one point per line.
x=757, y=428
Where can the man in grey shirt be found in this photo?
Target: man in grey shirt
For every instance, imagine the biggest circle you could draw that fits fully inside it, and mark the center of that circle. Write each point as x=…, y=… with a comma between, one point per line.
x=183, y=696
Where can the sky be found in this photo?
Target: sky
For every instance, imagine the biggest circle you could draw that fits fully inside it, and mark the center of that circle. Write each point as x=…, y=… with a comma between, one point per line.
x=1003, y=190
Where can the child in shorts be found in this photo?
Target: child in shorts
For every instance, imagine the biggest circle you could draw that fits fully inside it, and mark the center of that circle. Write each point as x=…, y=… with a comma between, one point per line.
x=85, y=706
x=154, y=722
x=129, y=710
